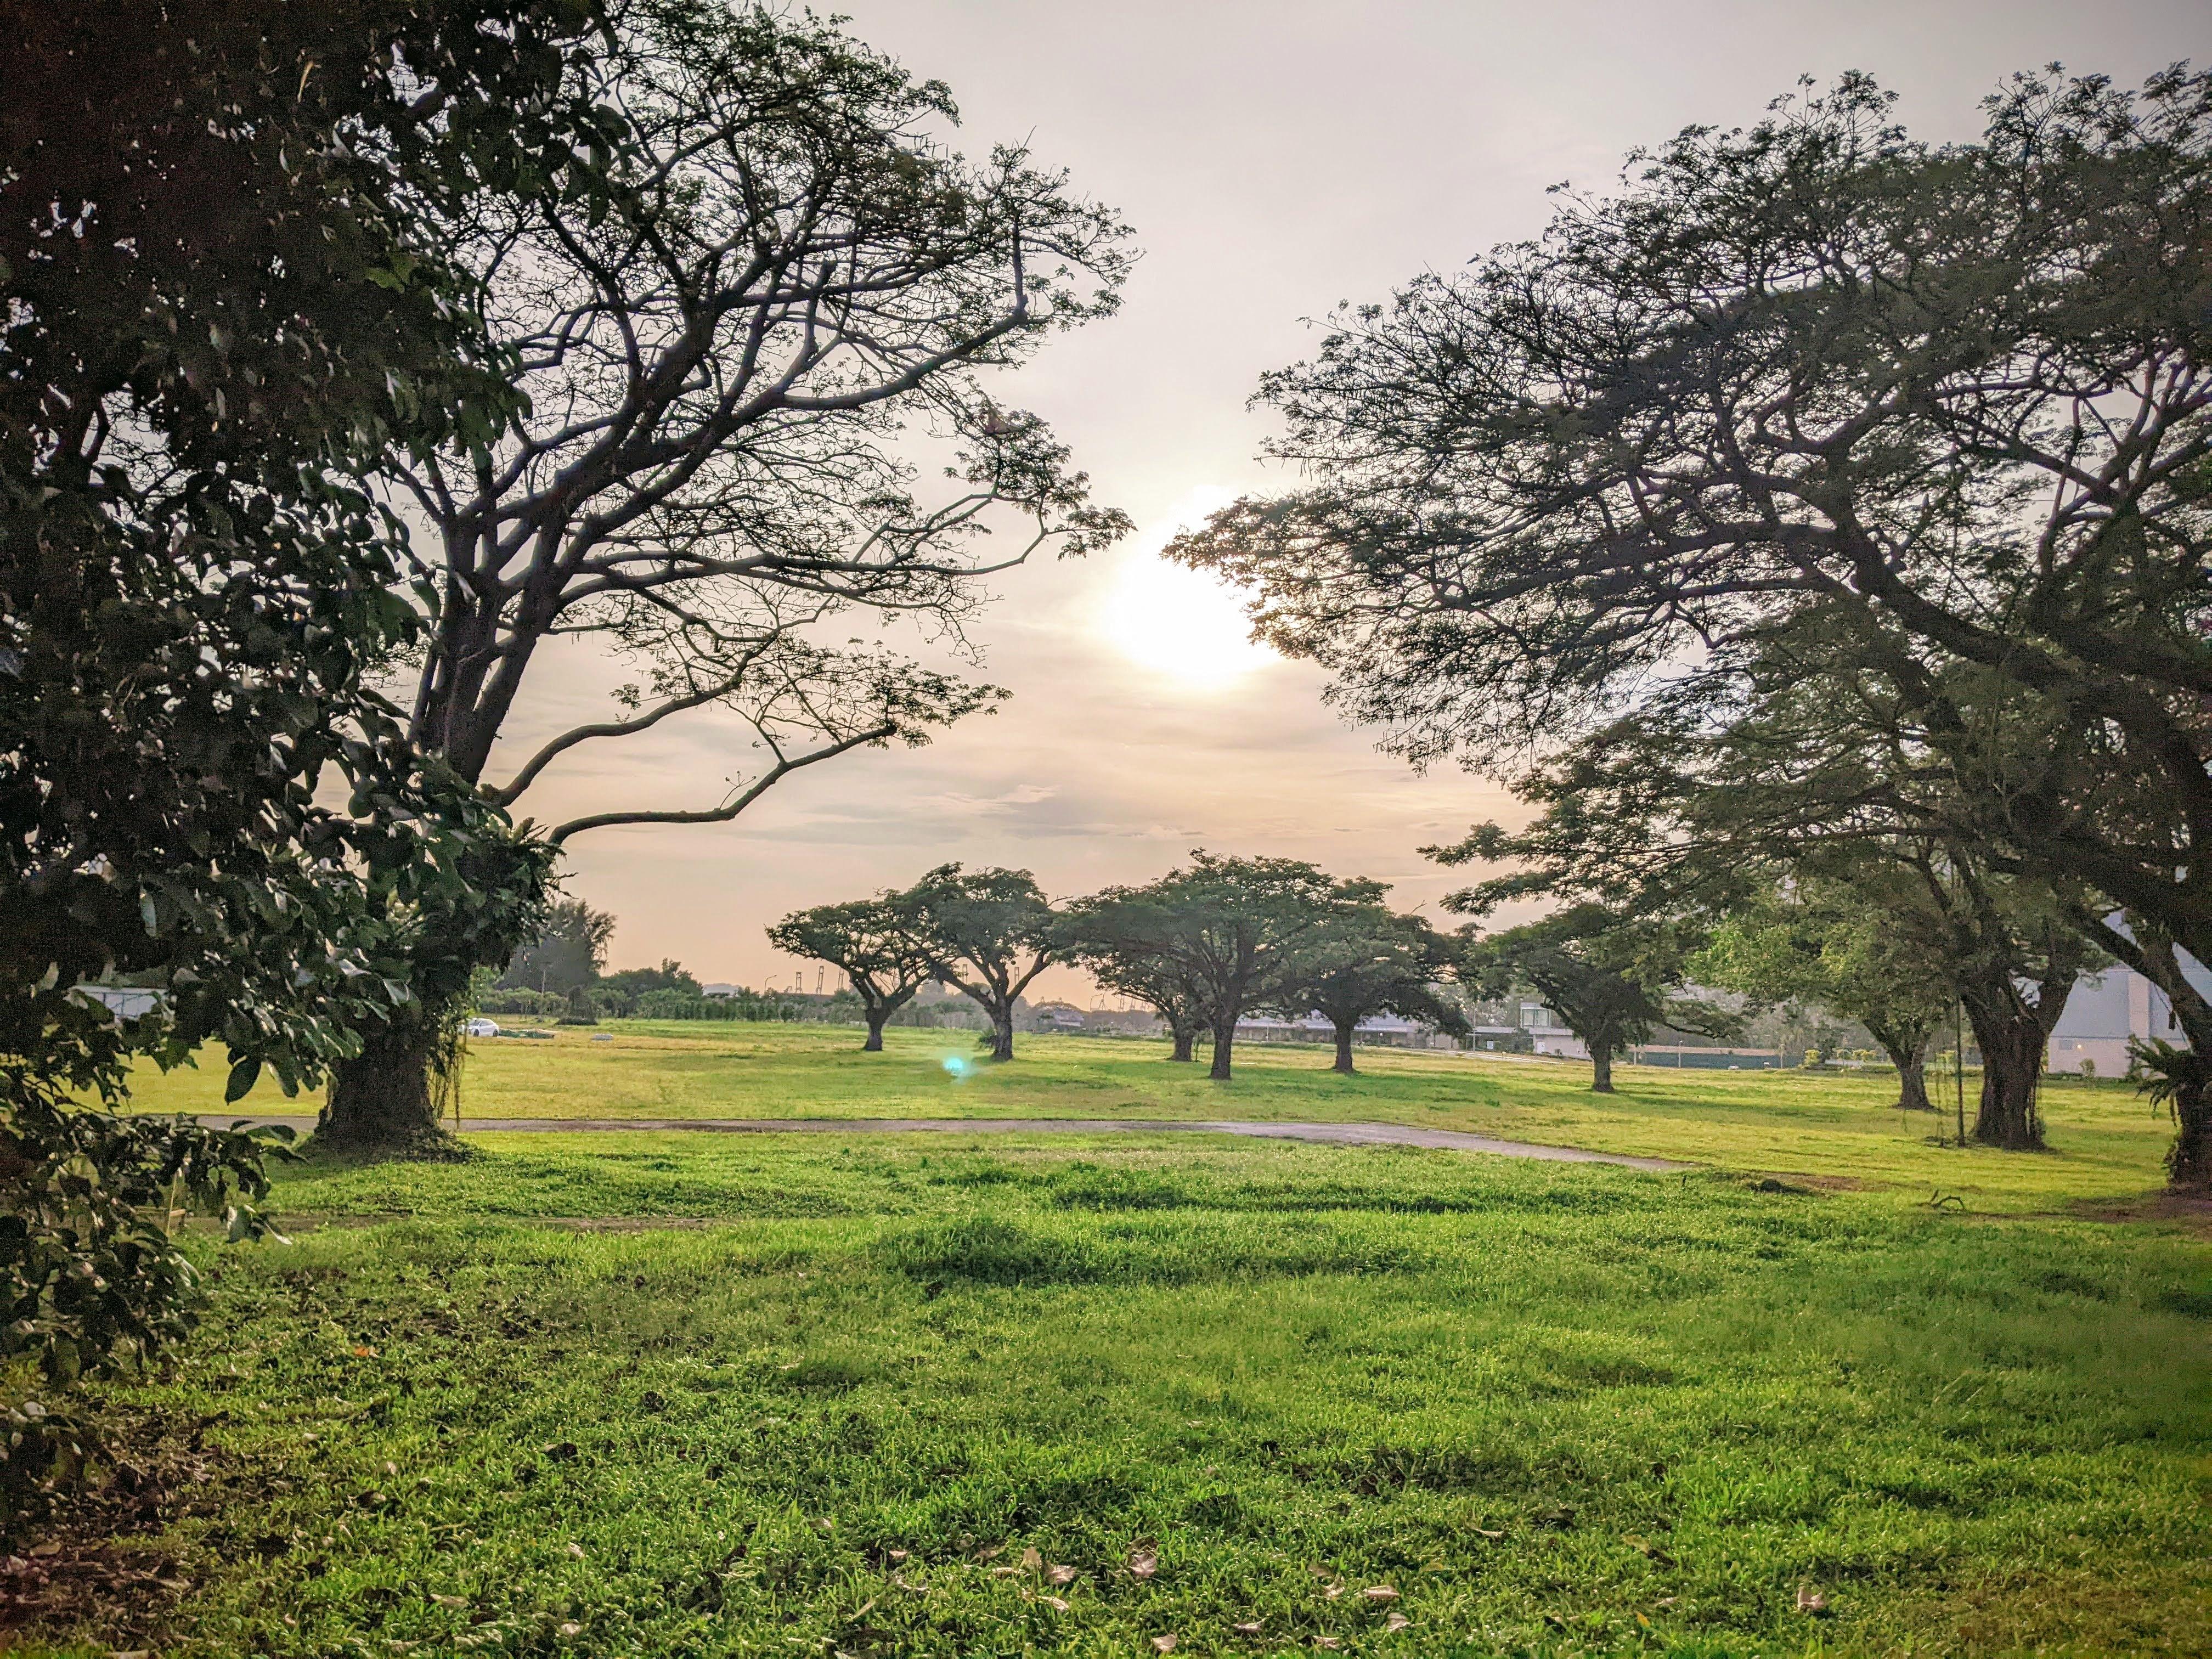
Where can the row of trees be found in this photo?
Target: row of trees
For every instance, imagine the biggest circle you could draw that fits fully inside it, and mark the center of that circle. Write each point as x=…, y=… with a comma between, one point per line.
x=1816, y=523
x=1203, y=946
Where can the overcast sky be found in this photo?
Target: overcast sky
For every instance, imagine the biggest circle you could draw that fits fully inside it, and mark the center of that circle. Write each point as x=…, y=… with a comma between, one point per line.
x=1274, y=158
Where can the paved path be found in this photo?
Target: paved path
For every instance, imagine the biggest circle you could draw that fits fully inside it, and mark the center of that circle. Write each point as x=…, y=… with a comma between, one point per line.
x=1335, y=1134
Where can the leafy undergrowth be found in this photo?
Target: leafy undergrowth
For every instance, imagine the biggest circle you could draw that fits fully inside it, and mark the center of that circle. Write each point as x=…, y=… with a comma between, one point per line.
x=1080, y=1398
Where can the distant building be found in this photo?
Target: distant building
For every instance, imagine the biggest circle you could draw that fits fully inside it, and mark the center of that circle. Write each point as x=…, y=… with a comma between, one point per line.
x=2109, y=1010
x=124, y=1001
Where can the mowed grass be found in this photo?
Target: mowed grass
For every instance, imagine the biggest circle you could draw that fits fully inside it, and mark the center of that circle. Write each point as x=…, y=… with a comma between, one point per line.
x=866, y=1397
x=2106, y=1143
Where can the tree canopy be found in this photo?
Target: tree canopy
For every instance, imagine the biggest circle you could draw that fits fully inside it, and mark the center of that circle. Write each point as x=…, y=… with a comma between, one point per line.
x=878, y=945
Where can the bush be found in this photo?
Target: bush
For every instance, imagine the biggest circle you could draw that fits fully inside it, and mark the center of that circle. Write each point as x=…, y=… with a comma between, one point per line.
x=93, y=1278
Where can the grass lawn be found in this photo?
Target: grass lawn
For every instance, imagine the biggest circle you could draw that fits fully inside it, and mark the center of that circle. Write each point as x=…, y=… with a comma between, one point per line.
x=2106, y=1143
x=911, y=1395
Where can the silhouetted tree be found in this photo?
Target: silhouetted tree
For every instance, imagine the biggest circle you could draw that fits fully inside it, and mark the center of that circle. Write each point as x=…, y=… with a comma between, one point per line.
x=1942, y=409
x=1122, y=938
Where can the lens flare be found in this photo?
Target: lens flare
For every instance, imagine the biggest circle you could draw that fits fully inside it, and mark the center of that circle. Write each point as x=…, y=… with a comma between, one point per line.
x=957, y=1066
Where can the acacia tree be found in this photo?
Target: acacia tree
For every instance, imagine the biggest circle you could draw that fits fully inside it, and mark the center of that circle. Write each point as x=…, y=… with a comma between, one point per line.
x=874, y=941
x=1604, y=973
x=1833, y=943
x=1121, y=937
x=756, y=374
x=1229, y=929
x=987, y=932
x=1948, y=406
x=1367, y=959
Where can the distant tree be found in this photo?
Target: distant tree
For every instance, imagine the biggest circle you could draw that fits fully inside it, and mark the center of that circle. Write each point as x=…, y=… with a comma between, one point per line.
x=987, y=933
x=874, y=942
x=1835, y=945
x=757, y=387
x=1605, y=974
x=1226, y=932
x=670, y=975
x=1123, y=937
x=1367, y=959
x=567, y=953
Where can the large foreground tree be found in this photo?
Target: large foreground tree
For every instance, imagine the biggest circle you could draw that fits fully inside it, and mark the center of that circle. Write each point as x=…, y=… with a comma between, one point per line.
x=758, y=377
x=227, y=299
x=1948, y=407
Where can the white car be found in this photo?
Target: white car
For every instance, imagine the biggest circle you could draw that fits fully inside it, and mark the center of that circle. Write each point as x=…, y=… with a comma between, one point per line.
x=483, y=1028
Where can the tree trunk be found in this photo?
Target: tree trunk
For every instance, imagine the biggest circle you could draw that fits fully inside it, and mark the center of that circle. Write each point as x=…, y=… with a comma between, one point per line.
x=2188, y=1160
x=1002, y=1035
x=1185, y=1038
x=2012, y=1043
x=1600, y=1068
x=1344, y=1049
x=382, y=1105
x=1225, y=1038
x=874, y=1045
x=1913, y=1081
x=1908, y=1052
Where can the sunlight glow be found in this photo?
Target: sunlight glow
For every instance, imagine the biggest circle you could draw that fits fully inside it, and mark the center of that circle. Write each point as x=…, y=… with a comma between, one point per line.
x=1178, y=622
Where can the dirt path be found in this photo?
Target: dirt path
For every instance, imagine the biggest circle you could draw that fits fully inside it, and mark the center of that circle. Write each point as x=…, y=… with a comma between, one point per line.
x=1334, y=1134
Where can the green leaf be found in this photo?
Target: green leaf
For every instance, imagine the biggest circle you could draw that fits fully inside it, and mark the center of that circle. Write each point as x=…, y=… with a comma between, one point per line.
x=243, y=1077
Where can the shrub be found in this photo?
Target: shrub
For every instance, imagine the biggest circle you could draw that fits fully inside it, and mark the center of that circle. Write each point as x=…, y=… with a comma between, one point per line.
x=93, y=1278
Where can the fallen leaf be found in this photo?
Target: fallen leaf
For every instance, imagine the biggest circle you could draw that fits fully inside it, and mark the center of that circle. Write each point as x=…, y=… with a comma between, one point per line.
x=46, y=1549
x=1380, y=1593
x=1396, y=1621
x=575, y=1551
x=1004, y=1572
x=1144, y=1559
x=1647, y=1547
x=1031, y=1561
x=897, y=1555
x=1328, y=1644
x=991, y=1553
x=131, y=1653
x=1252, y=1629
x=1331, y=1591
x=918, y=1590
x=450, y=1601
x=364, y=1353
x=1484, y=1532
x=1164, y=1644
x=571, y=1628
x=1811, y=1600
x=1667, y=1600
x=1054, y=1602
x=1058, y=1574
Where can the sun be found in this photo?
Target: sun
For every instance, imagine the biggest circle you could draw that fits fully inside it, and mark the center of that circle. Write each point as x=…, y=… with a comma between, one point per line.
x=1183, y=624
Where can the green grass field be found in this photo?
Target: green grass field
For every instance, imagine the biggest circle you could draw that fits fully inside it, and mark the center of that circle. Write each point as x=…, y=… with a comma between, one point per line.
x=677, y=1395
x=2106, y=1143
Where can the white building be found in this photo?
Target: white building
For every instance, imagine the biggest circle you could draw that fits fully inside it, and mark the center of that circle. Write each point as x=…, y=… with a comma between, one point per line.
x=2107, y=1011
